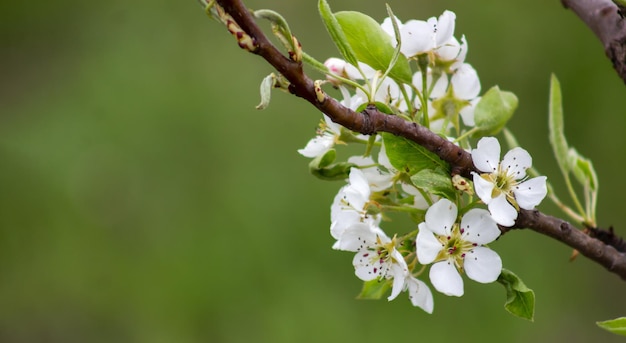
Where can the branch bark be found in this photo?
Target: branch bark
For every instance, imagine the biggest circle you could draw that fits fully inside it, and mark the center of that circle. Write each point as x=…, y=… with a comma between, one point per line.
x=371, y=121
x=608, y=25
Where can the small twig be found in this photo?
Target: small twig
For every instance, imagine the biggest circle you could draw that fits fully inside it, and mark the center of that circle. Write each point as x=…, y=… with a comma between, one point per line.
x=603, y=18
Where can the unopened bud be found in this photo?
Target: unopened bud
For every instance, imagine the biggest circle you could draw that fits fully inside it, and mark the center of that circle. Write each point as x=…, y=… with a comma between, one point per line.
x=462, y=184
x=336, y=66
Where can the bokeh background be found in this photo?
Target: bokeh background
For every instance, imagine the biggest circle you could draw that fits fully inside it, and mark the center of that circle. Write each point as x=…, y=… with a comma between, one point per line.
x=144, y=199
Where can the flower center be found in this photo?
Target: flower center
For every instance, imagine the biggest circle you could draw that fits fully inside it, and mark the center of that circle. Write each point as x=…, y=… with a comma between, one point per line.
x=503, y=183
x=454, y=247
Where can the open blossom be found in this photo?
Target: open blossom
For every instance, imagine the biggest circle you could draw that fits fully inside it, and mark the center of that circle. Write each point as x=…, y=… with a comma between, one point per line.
x=377, y=258
x=377, y=178
x=327, y=136
x=453, y=247
x=350, y=207
x=418, y=36
x=466, y=86
x=503, y=185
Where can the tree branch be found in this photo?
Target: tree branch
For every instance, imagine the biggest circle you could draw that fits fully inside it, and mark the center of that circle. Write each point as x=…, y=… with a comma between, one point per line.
x=607, y=23
x=372, y=121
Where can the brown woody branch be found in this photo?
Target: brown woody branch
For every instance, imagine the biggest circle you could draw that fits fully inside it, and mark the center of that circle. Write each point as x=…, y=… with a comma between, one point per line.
x=372, y=121
x=607, y=23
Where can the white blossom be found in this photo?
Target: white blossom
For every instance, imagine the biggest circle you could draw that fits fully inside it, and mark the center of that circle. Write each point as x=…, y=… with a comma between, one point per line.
x=350, y=207
x=327, y=136
x=504, y=186
x=376, y=256
x=454, y=248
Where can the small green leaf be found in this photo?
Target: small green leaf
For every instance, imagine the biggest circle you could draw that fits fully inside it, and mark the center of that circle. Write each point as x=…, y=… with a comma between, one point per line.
x=557, y=135
x=494, y=110
x=437, y=182
x=616, y=326
x=325, y=160
x=583, y=170
x=520, y=300
x=410, y=157
x=374, y=289
x=279, y=26
x=266, y=91
x=372, y=45
x=322, y=167
x=336, y=33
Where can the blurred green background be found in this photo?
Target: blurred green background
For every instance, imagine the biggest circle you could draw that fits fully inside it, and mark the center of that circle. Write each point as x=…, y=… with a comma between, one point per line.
x=144, y=199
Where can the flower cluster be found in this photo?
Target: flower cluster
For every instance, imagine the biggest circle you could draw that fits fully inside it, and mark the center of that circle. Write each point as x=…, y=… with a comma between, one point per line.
x=452, y=226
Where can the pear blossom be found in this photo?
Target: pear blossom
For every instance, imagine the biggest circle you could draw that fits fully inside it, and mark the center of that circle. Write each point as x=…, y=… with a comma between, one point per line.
x=455, y=248
x=419, y=294
x=465, y=82
x=350, y=206
x=377, y=258
x=418, y=36
x=504, y=186
x=436, y=90
x=376, y=255
x=377, y=178
x=327, y=136
x=466, y=86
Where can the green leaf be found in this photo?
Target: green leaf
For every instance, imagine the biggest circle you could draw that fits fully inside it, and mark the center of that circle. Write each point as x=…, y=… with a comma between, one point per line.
x=266, y=91
x=322, y=167
x=336, y=33
x=520, y=300
x=410, y=157
x=616, y=326
x=437, y=182
x=583, y=169
x=557, y=135
x=374, y=289
x=494, y=110
x=372, y=45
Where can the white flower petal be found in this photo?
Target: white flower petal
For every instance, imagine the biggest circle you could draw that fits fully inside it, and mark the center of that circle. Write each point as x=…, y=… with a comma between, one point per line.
x=483, y=188
x=502, y=211
x=446, y=279
x=317, y=146
x=449, y=50
x=367, y=265
x=530, y=193
x=387, y=92
x=427, y=245
x=467, y=112
x=387, y=26
x=445, y=27
x=465, y=82
x=354, y=74
x=441, y=216
x=483, y=265
x=356, y=237
x=437, y=90
x=460, y=59
x=399, y=272
x=358, y=192
x=417, y=37
x=420, y=294
x=331, y=125
x=478, y=227
x=486, y=156
x=383, y=159
x=516, y=161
